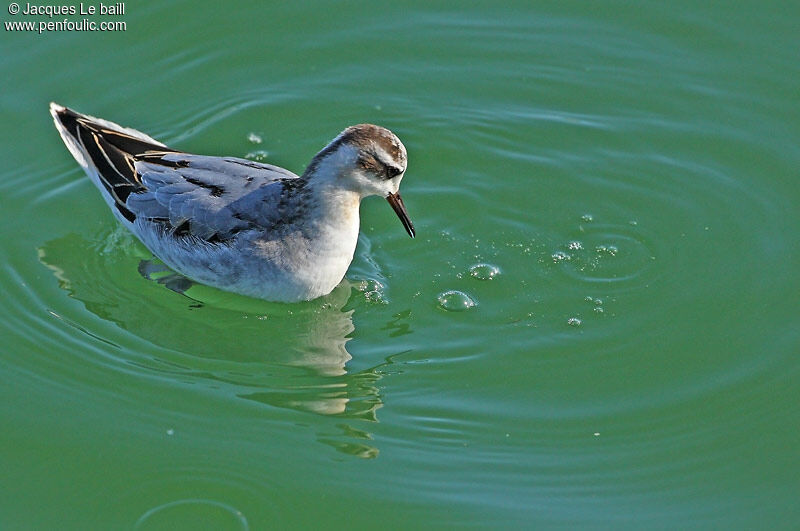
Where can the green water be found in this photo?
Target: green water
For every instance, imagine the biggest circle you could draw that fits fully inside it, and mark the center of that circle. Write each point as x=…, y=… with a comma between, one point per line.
x=628, y=170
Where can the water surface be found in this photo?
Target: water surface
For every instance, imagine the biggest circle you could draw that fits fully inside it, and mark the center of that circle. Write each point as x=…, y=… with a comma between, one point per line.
x=595, y=327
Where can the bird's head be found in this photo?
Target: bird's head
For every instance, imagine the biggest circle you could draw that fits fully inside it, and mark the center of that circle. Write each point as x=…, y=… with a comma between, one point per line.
x=368, y=160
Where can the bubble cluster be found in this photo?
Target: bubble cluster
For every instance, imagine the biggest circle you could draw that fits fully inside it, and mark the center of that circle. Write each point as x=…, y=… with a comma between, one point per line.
x=596, y=303
x=574, y=321
x=258, y=155
x=455, y=301
x=373, y=290
x=610, y=250
x=605, y=252
x=484, y=271
x=254, y=138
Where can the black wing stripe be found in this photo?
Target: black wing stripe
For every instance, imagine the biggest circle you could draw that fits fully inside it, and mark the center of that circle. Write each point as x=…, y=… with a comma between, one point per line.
x=154, y=157
x=114, y=154
x=127, y=143
x=119, y=164
x=111, y=179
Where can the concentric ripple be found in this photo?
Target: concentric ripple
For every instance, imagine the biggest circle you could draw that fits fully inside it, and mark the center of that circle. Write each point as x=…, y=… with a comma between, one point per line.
x=606, y=253
x=192, y=513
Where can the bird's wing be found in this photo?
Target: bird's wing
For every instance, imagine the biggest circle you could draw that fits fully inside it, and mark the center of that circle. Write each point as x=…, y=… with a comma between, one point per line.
x=207, y=197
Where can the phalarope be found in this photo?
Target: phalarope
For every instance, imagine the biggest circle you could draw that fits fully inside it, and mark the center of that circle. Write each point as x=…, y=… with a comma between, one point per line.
x=239, y=225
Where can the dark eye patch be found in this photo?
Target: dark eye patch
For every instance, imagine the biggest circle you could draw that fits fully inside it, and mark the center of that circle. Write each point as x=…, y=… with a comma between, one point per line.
x=393, y=171
x=371, y=163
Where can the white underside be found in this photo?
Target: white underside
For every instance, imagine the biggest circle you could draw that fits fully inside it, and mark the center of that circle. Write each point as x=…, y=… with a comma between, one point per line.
x=289, y=269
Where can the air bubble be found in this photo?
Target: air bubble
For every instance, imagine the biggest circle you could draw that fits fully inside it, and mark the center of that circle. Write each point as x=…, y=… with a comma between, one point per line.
x=561, y=256
x=254, y=138
x=574, y=246
x=484, y=271
x=588, y=218
x=455, y=301
x=574, y=321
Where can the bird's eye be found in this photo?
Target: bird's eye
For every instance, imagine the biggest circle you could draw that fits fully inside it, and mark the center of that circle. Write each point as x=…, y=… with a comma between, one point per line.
x=393, y=171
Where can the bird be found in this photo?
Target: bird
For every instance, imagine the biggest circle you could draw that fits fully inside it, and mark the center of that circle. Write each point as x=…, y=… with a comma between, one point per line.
x=235, y=224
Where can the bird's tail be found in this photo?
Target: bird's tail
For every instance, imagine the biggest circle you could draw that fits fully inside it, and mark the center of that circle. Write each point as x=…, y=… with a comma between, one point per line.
x=107, y=152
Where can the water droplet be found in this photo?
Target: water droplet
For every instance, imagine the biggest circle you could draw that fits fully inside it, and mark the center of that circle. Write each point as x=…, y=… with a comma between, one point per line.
x=574, y=321
x=254, y=138
x=170, y=432
x=455, y=301
x=484, y=271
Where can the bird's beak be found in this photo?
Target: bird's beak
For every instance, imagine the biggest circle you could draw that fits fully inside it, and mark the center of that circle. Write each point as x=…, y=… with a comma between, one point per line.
x=400, y=209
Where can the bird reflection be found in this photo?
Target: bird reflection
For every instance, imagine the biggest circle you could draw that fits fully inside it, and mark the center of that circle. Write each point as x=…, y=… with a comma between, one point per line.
x=283, y=355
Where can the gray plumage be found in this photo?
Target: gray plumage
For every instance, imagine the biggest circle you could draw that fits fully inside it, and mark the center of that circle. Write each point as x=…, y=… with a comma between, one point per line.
x=239, y=225
x=212, y=197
